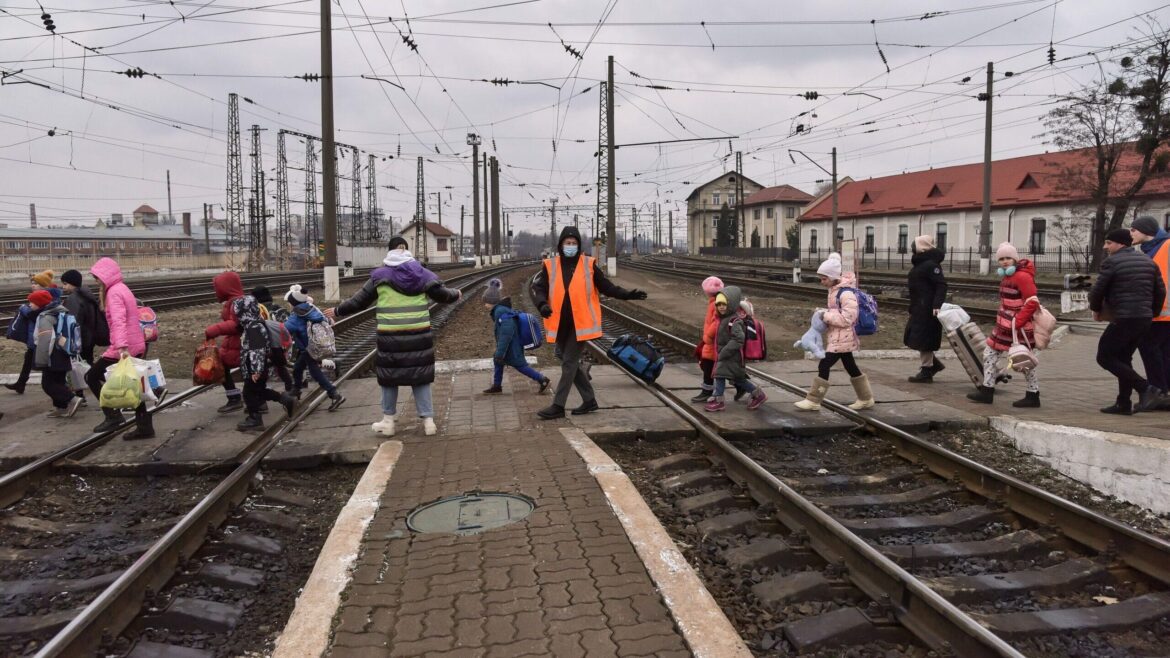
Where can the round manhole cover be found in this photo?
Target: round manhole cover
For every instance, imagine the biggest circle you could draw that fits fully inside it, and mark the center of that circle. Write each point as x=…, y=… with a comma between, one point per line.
x=470, y=513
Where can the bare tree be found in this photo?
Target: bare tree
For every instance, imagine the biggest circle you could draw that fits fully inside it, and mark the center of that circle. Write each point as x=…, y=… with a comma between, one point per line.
x=1072, y=232
x=1109, y=120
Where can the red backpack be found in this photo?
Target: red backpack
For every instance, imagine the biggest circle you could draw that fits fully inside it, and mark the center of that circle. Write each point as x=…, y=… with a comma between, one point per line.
x=755, y=344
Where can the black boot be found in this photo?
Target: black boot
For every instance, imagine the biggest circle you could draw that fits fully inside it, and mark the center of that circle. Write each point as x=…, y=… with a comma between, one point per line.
x=924, y=376
x=1149, y=398
x=494, y=389
x=1120, y=407
x=336, y=399
x=543, y=385
x=289, y=403
x=552, y=411
x=702, y=396
x=585, y=408
x=985, y=395
x=1030, y=400
x=937, y=367
x=17, y=388
x=143, y=429
x=251, y=423
x=113, y=419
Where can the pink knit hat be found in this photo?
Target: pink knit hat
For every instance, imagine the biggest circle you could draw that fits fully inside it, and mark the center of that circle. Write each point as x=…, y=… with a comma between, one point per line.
x=1006, y=250
x=712, y=285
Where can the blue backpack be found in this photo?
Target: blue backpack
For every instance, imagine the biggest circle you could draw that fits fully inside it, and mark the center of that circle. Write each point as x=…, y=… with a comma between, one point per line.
x=67, y=329
x=530, y=329
x=867, y=312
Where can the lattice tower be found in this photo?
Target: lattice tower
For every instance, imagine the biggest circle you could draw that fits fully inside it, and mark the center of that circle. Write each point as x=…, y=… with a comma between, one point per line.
x=284, y=242
x=420, y=215
x=373, y=232
x=235, y=176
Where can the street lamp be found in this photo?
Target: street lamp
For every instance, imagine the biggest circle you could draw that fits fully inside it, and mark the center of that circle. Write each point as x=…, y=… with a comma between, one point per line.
x=833, y=175
x=474, y=141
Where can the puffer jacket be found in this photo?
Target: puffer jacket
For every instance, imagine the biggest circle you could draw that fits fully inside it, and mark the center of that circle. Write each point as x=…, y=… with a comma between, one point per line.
x=228, y=288
x=729, y=338
x=121, y=311
x=710, y=327
x=23, y=327
x=1015, y=301
x=87, y=309
x=405, y=358
x=928, y=290
x=46, y=356
x=841, y=337
x=297, y=323
x=508, y=345
x=1129, y=285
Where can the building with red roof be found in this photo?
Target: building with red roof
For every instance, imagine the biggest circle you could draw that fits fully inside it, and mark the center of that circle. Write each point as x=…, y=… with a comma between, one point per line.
x=1038, y=203
x=440, y=247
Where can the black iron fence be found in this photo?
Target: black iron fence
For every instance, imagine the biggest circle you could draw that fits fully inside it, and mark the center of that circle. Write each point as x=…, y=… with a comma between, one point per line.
x=1055, y=261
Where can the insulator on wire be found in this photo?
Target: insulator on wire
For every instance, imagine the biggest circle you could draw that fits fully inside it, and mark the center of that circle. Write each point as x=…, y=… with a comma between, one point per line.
x=1051, y=53
x=811, y=95
x=47, y=19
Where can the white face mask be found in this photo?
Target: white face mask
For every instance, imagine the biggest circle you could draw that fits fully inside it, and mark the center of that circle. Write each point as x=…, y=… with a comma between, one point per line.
x=570, y=250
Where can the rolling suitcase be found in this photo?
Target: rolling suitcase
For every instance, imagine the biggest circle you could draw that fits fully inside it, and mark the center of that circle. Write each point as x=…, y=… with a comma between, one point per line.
x=968, y=342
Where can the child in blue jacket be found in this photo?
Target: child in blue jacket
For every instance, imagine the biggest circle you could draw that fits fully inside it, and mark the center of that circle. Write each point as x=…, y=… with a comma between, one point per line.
x=509, y=351
x=297, y=324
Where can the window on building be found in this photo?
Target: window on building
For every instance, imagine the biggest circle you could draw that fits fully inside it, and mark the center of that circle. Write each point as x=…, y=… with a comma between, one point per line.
x=756, y=213
x=60, y=244
x=903, y=238
x=840, y=234
x=1036, y=238
x=39, y=244
x=940, y=236
x=12, y=244
x=440, y=244
x=869, y=245
x=790, y=212
x=812, y=241
x=715, y=199
x=731, y=199
x=84, y=245
x=771, y=213
x=109, y=244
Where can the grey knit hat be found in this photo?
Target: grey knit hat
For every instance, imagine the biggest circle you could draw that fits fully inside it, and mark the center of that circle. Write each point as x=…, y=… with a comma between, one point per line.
x=493, y=294
x=1145, y=224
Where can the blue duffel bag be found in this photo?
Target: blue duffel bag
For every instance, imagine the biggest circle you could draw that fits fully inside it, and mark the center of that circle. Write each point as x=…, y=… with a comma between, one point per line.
x=639, y=356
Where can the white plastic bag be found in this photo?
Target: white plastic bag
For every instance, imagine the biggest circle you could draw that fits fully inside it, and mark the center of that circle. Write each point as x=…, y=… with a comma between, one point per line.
x=952, y=316
x=152, y=378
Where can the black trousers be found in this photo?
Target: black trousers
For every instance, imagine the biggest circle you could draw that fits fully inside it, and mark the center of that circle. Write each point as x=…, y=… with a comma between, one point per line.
x=708, y=368
x=55, y=384
x=96, y=378
x=831, y=358
x=1155, y=351
x=1115, y=354
x=255, y=393
x=26, y=367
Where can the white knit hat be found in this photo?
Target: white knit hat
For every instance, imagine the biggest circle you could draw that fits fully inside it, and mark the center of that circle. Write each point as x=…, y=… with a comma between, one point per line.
x=295, y=294
x=831, y=267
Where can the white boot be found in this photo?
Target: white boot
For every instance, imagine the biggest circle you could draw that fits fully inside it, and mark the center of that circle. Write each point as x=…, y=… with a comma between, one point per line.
x=385, y=427
x=429, y=427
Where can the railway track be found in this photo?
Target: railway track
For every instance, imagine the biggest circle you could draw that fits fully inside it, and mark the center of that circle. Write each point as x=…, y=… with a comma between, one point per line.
x=91, y=580
x=854, y=538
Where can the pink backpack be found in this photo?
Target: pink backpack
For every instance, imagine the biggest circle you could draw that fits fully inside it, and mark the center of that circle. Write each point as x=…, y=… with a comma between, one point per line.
x=755, y=345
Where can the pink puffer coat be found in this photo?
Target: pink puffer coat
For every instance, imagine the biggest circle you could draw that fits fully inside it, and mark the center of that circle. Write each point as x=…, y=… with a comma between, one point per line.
x=841, y=337
x=121, y=311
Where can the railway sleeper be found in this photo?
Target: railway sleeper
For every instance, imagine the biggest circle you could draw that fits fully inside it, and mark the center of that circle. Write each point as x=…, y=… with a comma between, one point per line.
x=919, y=495
x=1065, y=577
x=840, y=627
x=147, y=649
x=704, y=479
x=1101, y=619
x=771, y=553
x=966, y=518
x=1014, y=545
x=841, y=482
x=717, y=500
x=193, y=615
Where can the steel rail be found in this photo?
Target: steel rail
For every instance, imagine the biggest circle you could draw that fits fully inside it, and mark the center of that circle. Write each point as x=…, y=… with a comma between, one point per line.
x=925, y=613
x=120, y=603
x=1141, y=551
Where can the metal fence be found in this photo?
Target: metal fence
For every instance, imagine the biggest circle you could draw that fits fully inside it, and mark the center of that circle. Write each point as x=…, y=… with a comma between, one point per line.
x=1056, y=261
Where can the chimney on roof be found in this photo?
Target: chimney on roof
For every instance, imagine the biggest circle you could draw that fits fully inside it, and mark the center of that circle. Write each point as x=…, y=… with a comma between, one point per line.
x=32, y=215
x=187, y=223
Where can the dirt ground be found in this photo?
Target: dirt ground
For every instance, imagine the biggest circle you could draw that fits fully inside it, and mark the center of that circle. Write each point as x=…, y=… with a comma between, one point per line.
x=469, y=334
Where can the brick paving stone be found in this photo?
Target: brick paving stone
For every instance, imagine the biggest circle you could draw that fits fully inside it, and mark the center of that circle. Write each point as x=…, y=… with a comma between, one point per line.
x=565, y=582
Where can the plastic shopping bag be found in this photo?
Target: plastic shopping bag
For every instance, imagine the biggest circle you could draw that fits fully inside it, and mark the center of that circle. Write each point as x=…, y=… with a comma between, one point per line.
x=122, y=389
x=77, y=374
x=151, y=377
x=208, y=367
x=952, y=316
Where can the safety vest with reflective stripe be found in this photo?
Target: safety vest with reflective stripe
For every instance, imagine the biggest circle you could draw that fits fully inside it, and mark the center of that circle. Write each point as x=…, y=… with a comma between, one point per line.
x=1162, y=260
x=400, y=312
x=583, y=297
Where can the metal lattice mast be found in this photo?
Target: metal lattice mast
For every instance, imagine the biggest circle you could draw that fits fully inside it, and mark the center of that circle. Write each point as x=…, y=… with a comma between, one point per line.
x=743, y=239
x=312, y=225
x=420, y=215
x=256, y=209
x=336, y=196
x=284, y=241
x=357, y=229
x=372, y=232
x=235, y=174
x=603, y=210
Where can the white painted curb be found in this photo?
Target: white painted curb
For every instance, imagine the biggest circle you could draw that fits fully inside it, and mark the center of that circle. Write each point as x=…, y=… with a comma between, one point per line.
x=1135, y=469
x=705, y=628
x=307, y=631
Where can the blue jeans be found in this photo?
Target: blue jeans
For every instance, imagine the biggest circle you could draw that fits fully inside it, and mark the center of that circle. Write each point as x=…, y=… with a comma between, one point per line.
x=306, y=361
x=422, y=400
x=527, y=371
x=742, y=385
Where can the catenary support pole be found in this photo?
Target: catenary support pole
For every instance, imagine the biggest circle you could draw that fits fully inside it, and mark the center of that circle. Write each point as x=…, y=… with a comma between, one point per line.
x=496, y=252
x=328, y=154
x=985, y=219
x=611, y=219
x=474, y=139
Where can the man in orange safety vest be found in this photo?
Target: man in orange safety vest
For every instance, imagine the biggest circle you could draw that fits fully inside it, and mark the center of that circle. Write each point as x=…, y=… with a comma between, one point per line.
x=1155, y=346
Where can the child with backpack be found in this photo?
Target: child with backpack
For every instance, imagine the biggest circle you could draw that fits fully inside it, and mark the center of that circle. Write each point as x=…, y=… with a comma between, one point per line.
x=304, y=323
x=841, y=316
x=272, y=312
x=255, y=349
x=56, y=334
x=509, y=351
x=729, y=341
x=705, y=350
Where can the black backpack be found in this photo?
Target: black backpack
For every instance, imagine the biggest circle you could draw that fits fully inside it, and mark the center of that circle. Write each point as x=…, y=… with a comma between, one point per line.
x=254, y=346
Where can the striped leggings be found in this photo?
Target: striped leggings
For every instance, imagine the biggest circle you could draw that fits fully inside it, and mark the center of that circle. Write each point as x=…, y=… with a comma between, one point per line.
x=991, y=369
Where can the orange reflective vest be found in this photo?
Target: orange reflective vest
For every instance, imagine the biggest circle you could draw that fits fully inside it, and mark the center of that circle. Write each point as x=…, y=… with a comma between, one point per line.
x=583, y=297
x=1162, y=260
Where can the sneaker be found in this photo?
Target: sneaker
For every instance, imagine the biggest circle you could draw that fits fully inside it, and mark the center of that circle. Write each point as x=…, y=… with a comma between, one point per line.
x=251, y=423
x=1149, y=398
x=57, y=412
x=544, y=385
x=289, y=403
x=234, y=403
x=385, y=427
x=739, y=393
x=429, y=428
x=703, y=396
x=160, y=394
x=337, y=400
x=715, y=404
x=1120, y=410
x=84, y=403
x=758, y=398
x=494, y=389
x=72, y=407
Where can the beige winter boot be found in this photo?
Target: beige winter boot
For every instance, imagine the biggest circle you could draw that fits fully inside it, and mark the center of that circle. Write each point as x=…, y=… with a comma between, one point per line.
x=864, y=393
x=816, y=395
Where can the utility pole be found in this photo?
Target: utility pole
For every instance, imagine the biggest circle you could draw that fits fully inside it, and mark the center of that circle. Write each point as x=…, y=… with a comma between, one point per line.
x=739, y=218
x=634, y=231
x=552, y=227
x=328, y=154
x=670, y=228
x=507, y=236
x=461, y=232
x=439, y=202
x=206, y=232
x=486, y=211
x=170, y=212
x=496, y=253
x=474, y=140
x=611, y=219
x=836, y=242
x=985, y=220
x=420, y=215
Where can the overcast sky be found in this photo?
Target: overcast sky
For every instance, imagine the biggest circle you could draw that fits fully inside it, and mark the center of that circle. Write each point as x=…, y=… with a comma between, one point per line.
x=742, y=75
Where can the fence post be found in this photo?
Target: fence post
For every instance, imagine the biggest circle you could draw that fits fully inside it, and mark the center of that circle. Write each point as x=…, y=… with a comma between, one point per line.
x=951, y=259
x=1060, y=258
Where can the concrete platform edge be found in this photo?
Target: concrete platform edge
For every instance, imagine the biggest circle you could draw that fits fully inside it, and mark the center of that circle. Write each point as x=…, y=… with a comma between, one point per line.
x=705, y=628
x=309, y=626
x=1135, y=469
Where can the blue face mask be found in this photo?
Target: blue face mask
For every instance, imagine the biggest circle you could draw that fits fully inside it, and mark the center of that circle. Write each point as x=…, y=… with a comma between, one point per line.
x=1007, y=271
x=570, y=250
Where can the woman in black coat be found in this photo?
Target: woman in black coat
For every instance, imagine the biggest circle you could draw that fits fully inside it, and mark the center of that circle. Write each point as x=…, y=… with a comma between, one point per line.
x=928, y=290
